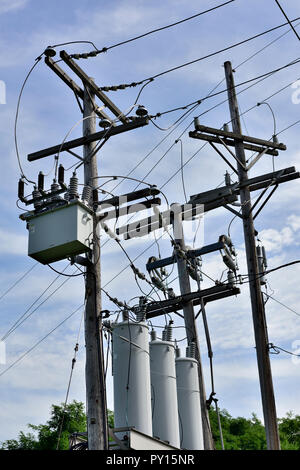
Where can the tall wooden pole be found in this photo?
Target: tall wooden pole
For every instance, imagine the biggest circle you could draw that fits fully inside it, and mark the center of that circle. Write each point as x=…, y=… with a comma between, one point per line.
x=95, y=382
x=258, y=310
x=190, y=323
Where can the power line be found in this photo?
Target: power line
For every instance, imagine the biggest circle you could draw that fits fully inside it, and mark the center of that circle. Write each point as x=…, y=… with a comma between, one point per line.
x=69, y=383
x=37, y=60
x=40, y=341
x=236, y=67
x=160, y=74
x=286, y=17
x=105, y=49
x=18, y=281
x=264, y=77
x=281, y=303
x=272, y=270
x=152, y=244
x=182, y=175
x=277, y=350
x=120, y=272
x=200, y=100
x=286, y=128
x=197, y=103
x=19, y=321
x=245, y=112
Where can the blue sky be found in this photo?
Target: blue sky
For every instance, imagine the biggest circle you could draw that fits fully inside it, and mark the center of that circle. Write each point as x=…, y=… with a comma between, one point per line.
x=48, y=111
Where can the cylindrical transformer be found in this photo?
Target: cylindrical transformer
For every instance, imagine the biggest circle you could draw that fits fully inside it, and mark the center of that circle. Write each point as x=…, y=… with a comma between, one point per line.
x=131, y=374
x=189, y=409
x=164, y=393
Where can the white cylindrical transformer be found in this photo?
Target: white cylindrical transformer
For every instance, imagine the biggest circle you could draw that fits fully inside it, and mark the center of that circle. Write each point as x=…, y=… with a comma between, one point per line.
x=164, y=392
x=131, y=373
x=189, y=409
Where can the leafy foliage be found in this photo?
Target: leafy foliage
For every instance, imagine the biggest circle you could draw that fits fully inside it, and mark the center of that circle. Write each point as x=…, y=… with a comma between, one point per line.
x=249, y=434
x=46, y=435
x=238, y=433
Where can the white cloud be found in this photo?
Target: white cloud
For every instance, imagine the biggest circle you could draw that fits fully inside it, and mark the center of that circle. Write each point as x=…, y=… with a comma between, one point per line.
x=294, y=222
x=276, y=240
x=10, y=5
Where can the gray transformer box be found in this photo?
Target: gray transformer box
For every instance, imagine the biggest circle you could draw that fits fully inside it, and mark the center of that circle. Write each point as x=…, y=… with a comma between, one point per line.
x=59, y=233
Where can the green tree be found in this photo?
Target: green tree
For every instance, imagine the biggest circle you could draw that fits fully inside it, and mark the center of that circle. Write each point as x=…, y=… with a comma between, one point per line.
x=73, y=419
x=238, y=433
x=289, y=430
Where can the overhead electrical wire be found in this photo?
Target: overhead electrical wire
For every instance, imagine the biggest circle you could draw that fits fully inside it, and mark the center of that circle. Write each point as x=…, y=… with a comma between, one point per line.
x=182, y=175
x=260, y=78
x=288, y=127
x=197, y=103
x=39, y=342
x=18, y=281
x=23, y=318
x=69, y=382
x=33, y=303
x=281, y=303
x=171, y=281
x=268, y=271
x=205, y=112
x=37, y=60
x=150, y=246
x=160, y=74
x=183, y=117
x=72, y=42
x=105, y=49
x=277, y=350
x=235, y=68
x=120, y=272
x=287, y=18
x=252, y=56
x=212, y=95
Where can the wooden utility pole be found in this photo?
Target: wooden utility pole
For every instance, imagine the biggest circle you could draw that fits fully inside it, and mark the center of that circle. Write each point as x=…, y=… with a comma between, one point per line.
x=258, y=311
x=95, y=382
x=189, y=319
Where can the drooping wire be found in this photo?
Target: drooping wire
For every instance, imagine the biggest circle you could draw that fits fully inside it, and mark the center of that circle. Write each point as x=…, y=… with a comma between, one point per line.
x=21, y=318
x=281, y=303
x=160, y=74
x=205, y=112
x=37, y=60
x=39, y=342
x=18, y=281
x=181, y=165
x=69, y=383
x=277, y=350
x=105, y=49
